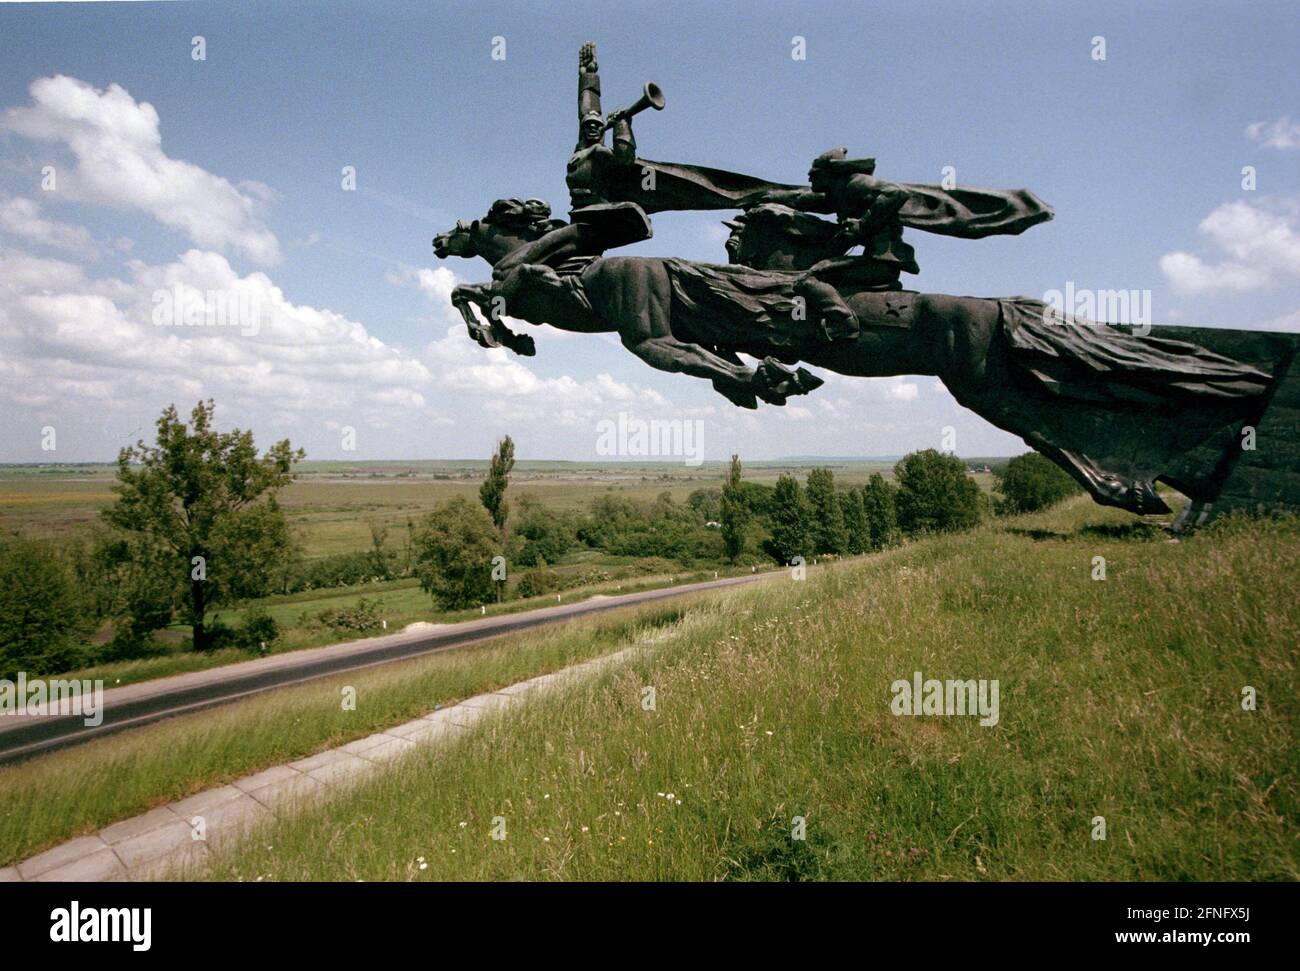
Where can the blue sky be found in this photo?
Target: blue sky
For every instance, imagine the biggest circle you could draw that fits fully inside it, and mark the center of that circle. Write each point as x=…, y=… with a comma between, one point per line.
x=236, y=183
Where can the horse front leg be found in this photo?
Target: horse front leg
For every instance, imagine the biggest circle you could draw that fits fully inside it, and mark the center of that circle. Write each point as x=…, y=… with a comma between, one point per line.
x=734, y=381
x=466, y=297
x=741, y=385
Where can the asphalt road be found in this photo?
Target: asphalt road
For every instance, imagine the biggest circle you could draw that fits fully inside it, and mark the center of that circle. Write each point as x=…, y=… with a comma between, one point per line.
x=23, y=736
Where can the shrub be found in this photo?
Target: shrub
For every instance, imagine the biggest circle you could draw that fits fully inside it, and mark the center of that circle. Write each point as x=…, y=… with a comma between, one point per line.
x=1031, y=482
x=258, y=628
x=362, y=616
x=341, y=570
x=41, y=610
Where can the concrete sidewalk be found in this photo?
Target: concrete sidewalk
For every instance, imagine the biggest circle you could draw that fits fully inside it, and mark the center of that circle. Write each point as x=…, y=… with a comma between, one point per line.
x=145, y=847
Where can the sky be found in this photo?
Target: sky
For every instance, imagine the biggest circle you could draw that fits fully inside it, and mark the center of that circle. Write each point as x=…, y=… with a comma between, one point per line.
x=131, y=170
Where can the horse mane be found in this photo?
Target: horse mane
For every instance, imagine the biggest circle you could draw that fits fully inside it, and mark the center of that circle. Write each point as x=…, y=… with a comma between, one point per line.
x=851, y=166
x=531, y=217
x=782, y=219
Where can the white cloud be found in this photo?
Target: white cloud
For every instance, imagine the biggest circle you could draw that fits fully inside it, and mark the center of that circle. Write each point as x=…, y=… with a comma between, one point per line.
x=117, y=145
x=509, y=388
x=1259, y=248
x=72, y=346
x=1283, y=133
x=72, y=342
x=22, y=218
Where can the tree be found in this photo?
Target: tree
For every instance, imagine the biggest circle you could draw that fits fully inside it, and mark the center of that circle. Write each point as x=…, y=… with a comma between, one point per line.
x=789, y=517
x=826, y=517
x=707, y=504
x=1030, y=482
x=41, y=610
x=935, y=494
x=200, y=515
x=539, y=532
x=857, y=531
x=879, y=505
x=454, y=548
x=493, y=489
x=379, y=555
x=735, y=514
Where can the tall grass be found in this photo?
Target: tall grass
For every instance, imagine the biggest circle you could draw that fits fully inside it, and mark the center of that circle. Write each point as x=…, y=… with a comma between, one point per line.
x=1119, y=698
x=77, y=790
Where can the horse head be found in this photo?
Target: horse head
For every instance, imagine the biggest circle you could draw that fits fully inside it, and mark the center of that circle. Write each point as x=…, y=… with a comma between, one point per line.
x=509, y=224
x=457, y=242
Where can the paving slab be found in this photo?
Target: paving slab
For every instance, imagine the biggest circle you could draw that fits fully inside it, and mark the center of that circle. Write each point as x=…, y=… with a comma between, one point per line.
x=418, y=727
x=341, y=771
x=10, y=874
x=289, y=793
x=138, y=825
x=489, y=702
x=99, y=865
x=277, y=773
x=424, y=732
x=236, y=816
x=523, y=687
x=549, y=682
x=174, y=864
x=392, y=749
x=361, y=745
x=203, y=802
x=155, y=843
x=60, y=855
x=319, y=760
x=466, y=717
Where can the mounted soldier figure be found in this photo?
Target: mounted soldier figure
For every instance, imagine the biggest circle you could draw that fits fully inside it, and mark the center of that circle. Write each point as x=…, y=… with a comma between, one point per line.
x=612, y=192
x=872, y=213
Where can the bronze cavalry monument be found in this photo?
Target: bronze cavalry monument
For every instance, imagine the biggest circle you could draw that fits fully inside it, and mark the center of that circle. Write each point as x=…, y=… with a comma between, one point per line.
x=1215, y=413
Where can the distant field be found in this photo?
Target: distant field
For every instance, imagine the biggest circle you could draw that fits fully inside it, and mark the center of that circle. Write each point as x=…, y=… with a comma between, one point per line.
x=332, y=504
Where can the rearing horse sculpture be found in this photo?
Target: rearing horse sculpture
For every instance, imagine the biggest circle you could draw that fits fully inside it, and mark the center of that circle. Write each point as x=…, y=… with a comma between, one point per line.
x=1114, y=409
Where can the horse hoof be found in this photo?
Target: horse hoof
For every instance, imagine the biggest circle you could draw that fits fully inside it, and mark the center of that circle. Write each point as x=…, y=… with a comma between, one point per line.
x=808, y=381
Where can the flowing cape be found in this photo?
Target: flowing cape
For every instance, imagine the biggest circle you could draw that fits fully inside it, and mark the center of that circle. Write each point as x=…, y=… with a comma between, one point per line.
x=964, y=212
x=681, y=187
x=1085, y=361
x=970, y=213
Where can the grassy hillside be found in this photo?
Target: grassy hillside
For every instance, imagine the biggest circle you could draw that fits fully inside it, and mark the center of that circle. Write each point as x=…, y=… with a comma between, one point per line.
x=1119, y=698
